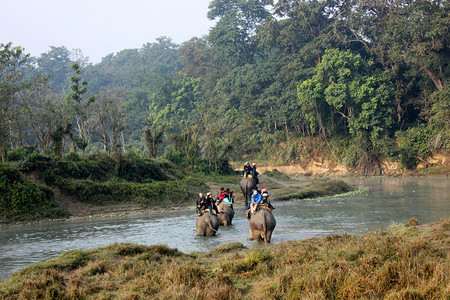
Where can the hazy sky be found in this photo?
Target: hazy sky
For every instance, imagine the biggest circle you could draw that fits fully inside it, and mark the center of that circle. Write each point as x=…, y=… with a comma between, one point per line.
x=99, y=27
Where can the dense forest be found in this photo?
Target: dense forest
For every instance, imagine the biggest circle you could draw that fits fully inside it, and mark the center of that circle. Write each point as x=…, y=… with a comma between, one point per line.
x=357, y=82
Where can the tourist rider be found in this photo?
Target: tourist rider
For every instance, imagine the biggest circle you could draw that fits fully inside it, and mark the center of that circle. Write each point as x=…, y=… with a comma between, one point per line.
x=265, y=198
x=201, y=204
x=255, y=200
x=255, y=173
x=210, y=204
x=247, y=169
x=230, y=195
x=220, y=195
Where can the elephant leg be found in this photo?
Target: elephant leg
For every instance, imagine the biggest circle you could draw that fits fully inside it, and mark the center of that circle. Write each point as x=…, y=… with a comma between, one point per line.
x=269, y=236
x=201, y=231
x=255, y=235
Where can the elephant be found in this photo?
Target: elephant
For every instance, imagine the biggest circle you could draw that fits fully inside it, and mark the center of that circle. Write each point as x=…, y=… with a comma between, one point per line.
x=207, y=224
x=262, y=224
x=226, y=213
x=247, y=185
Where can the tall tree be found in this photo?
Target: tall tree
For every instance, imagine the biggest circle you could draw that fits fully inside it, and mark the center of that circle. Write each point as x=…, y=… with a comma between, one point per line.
x=357, y=98
x=57, y=65
x=108, y=117
x=194, y=54
x=411, y=31
x=153, y=137
x=13, y=61
x=233, y=37
x=359, y=95
x=80, y=106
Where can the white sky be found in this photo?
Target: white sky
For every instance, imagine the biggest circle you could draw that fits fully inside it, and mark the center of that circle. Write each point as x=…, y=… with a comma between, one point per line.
x=99, y=27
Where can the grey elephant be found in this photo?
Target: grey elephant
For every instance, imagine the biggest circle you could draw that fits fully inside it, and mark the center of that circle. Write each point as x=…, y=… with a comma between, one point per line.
x=207, y=224
x=247, y=185
x=262, y=224
x=226, y=213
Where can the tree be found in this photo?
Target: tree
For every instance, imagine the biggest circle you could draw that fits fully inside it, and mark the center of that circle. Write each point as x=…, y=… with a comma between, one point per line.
x=108, y=118
x=233, y=37
x=194, y=54
x=153, y=137
x=56, y=64
x=358, y=95
x=80, y=106
x=13, y=60
x=411, y=31
x=39, y=106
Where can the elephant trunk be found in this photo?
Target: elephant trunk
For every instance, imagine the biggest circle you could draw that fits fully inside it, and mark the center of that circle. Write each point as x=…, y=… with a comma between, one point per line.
x=208, y=221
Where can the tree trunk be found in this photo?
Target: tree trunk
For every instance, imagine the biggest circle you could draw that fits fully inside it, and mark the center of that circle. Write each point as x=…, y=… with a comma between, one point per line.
x=122, y=139
x=437, y=81
x=3, y=154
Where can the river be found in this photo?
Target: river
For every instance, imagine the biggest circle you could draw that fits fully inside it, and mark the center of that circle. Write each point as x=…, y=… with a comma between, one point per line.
x=387, y=200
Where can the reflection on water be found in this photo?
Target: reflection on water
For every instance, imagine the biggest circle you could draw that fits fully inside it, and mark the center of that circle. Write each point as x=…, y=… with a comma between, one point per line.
x=387, y=200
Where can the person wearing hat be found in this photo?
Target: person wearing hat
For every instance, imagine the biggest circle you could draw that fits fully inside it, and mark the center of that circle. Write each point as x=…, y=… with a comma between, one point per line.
x=210, y=203
x=255, y=200
x=265, y=198
x=255, y=173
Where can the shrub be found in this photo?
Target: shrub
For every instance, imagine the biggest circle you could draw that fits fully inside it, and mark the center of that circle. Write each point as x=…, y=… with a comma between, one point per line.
x=21, y=199
x=21, y=153
x=414, y=145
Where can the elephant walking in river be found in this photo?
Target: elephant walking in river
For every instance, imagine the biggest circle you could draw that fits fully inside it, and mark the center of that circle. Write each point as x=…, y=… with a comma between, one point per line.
x=226, y=213
x=207, y=224
x=262, y=224
x=247, y=186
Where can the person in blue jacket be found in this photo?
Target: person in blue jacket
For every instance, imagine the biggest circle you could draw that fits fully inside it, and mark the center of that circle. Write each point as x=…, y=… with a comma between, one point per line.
x=255, y=200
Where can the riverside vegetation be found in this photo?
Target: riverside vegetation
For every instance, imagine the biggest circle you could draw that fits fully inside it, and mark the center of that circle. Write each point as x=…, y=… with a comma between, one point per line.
x=97, y=179
x=362, y=84
x=405, y=262
x=36, y=186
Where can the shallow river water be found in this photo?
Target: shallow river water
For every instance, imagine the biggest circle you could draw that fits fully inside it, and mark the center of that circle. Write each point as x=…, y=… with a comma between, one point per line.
x=387, y=200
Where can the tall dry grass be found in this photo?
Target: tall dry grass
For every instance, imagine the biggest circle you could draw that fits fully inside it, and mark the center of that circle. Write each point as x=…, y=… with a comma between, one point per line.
x=405, y=262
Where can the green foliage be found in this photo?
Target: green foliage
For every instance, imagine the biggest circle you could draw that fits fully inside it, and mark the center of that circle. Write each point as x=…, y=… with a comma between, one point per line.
x=57, y=65
x=317, y=188
x=21, y=199
x=20, y=153
x=414, y=145
x=440, y=119
x=347, y=89
x=232, y=38
x=266, y=76
x=103, y=179
x=158, y=193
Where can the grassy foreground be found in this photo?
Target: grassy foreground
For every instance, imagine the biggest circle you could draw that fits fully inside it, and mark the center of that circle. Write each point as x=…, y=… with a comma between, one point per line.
x=405, y=262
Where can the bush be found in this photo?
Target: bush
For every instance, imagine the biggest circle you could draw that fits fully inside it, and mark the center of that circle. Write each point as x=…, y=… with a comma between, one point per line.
x=98, y=167
x=109, y=192
x=21, y=199
x=21, y=153
x=414, y=145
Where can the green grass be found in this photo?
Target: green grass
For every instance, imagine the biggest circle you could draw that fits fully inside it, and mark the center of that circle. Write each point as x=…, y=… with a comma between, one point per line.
x=439, y=170
x=314, y=189
x=405, y=262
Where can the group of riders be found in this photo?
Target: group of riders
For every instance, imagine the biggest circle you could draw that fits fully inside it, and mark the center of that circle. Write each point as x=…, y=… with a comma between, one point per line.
x=258, y=197
x=211, y=204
